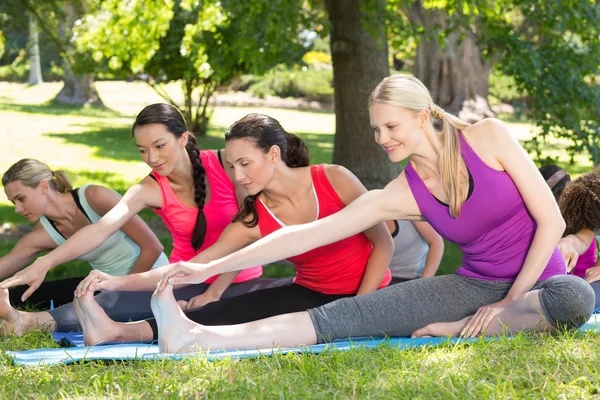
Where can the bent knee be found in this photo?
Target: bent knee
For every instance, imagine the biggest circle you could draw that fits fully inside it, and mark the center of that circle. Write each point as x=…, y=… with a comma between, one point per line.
x=568, y=301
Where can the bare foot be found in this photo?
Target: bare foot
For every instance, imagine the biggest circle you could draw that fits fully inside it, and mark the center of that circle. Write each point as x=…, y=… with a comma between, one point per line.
x=176, y=333
x=96, y=325
x=442, y=329
x=10, y=319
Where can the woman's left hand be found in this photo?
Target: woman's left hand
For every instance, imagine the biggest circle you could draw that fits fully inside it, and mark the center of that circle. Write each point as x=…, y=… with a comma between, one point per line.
x=482, y=318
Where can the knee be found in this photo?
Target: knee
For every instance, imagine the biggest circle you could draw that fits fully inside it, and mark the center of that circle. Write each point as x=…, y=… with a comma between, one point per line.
x=568, y=300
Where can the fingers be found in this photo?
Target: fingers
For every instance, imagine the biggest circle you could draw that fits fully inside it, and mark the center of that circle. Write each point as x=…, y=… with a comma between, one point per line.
x=182, y=304
x=32, y=288
x=171, y=278
x=13, y=281
x=84, y=285
x=572, y=261
x=475, y=324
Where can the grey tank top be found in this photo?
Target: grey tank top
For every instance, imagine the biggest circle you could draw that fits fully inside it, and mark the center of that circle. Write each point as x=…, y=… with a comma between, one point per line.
x=410, y=253
x=116, y=256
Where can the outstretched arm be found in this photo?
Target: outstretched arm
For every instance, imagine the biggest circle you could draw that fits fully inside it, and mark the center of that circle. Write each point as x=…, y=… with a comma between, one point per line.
x=393, y=202
x=234, y=237
x=26, y=248
x=102, y=200
x=87, y=238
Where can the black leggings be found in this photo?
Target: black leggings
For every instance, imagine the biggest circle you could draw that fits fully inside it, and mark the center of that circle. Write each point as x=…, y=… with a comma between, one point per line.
x=257, y=305
x=60, y=292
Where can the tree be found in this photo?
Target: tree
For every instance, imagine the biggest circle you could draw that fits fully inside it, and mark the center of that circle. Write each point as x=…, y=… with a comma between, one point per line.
x=202, y=45
x=360, y=62
x=450, y=63
x=550, y=49
x=35, y=69
x=56, y=19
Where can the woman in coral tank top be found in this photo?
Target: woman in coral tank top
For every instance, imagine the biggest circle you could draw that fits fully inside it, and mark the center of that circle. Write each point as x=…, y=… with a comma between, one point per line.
x=272, y=165
x=193, y=194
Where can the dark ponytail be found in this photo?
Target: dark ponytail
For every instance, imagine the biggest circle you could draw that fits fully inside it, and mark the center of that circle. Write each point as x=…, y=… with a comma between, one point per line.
x=266, y=132
x=556, y=177
x=172, y=119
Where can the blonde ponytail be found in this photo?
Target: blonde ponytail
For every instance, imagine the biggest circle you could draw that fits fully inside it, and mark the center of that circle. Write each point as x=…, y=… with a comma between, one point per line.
x=31, y=172
x=409, y=92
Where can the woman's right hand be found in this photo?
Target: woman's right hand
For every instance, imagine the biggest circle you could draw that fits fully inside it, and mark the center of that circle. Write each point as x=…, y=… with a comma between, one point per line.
x=33, y=276
x=97, y=281
x=184, y=272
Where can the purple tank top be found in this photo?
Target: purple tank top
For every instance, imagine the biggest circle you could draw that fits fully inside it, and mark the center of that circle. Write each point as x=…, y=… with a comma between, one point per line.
x=586, y=261
x=494, y=229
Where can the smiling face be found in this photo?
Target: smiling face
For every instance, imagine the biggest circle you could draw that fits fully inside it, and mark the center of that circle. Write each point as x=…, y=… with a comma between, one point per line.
x=398, y=130
x=159, y=148
x=253, y=168
x=29, y=202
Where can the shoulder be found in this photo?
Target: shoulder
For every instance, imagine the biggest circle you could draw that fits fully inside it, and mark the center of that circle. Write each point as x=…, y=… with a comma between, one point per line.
x=100, y=198
x=345, y=183
x=338, y=174
x=489, y=130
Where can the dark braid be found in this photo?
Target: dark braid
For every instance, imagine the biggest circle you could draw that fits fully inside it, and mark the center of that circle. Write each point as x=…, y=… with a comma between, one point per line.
x=199, y=175
x=580, y=204
x=266, y=132
x=172, y=119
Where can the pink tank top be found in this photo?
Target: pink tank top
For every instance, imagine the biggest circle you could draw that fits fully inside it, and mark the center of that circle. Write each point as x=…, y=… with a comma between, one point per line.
x=586, y=260
x=219, y=210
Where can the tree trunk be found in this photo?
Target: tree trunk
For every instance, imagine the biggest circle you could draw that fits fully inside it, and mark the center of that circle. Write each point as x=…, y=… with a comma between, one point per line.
x=35, y=69
x=455, y=74
x=360, y=62
x=78, y=89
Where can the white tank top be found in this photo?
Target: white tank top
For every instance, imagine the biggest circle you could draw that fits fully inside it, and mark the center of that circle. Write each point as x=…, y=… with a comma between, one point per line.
x=116, y=256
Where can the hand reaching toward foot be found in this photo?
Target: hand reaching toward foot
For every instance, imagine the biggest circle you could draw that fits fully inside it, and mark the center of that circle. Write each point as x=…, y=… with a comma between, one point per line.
x=33, y=276
x=184, y=272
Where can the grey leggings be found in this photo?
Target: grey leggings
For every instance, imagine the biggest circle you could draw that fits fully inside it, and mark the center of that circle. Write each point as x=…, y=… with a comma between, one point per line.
x=135, y=306
x=401, y=309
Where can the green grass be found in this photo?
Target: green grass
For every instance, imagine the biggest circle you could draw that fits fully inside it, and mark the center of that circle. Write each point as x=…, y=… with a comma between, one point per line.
x=95, y=146
x=568, y=367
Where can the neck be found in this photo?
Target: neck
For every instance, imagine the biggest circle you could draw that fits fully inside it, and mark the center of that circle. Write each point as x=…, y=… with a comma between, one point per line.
x=182, y=174
x=284, y=185
x=426, y=158
x=61, y=207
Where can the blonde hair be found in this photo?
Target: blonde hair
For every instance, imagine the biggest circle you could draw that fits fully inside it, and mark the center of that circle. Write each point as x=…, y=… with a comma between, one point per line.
x=409, y=92
x=31, y=172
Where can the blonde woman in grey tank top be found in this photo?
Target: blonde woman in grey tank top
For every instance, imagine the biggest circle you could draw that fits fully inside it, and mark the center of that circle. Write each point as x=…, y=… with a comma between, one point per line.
x=418, y=250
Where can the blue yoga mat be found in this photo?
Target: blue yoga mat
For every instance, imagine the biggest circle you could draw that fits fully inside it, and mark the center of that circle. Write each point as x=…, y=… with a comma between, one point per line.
x=75, y=339
x=139, y=351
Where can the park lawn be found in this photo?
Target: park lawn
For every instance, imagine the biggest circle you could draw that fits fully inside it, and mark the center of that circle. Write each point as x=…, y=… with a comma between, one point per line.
x=95, y=146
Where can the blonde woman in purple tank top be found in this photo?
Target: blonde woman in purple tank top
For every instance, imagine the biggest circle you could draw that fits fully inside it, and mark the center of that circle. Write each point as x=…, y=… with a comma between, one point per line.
x=475, y=185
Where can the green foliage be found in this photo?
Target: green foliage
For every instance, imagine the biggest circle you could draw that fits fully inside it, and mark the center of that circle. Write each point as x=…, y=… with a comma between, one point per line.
x=553, y=57
x=202, y=44
x=549, y=50
x=295, y=82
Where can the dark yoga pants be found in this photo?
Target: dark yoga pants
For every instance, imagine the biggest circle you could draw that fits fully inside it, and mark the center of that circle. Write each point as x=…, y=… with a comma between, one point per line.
x=401, y=309
x=135, y=306
x=257, y=305
x=60, y=292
